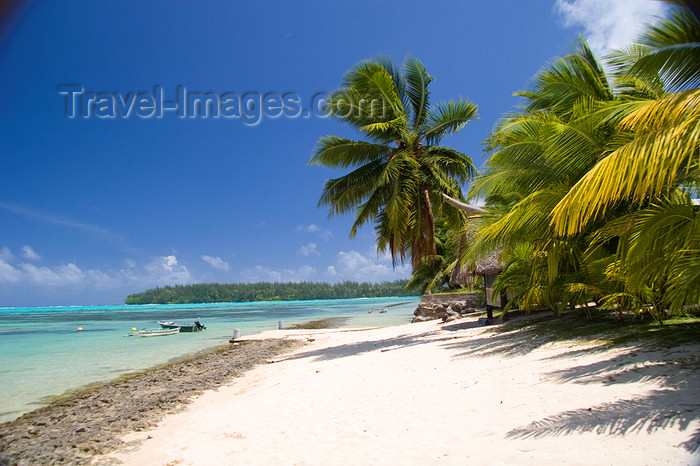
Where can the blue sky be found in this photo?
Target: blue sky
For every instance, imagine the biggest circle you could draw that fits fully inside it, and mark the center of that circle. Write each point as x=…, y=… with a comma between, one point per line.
x=92, y=209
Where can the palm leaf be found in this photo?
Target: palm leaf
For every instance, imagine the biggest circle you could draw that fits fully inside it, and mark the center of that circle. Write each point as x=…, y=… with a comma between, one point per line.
x=416, y=81
x=336, y=152
x=448, y=118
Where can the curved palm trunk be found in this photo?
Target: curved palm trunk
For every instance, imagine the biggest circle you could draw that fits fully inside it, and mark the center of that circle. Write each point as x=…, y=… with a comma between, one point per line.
x=424, y=245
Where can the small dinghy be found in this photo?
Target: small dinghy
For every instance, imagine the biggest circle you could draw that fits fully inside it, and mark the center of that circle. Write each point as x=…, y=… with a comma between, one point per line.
x=158, y=332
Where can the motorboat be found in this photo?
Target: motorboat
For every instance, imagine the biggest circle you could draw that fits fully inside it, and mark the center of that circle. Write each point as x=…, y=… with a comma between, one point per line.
x=196, y=327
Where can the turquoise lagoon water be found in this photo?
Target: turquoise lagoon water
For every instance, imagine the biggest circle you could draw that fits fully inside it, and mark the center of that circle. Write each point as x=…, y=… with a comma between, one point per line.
x=43, y=354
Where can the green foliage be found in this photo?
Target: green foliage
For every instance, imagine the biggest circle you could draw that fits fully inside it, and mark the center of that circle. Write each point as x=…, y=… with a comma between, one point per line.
x=398, y=174
x=265, y=291
x=590, y=186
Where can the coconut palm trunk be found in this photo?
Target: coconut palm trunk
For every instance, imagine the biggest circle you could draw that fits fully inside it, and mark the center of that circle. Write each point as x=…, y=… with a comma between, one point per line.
x=425, y=246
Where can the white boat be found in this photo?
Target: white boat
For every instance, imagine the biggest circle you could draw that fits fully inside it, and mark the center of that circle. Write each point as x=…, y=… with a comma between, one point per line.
x=158, y=332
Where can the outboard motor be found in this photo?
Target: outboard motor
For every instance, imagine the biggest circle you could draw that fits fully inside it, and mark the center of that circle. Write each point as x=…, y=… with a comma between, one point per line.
x=199, y=325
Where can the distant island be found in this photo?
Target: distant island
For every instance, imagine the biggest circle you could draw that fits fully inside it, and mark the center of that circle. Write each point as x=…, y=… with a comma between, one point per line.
x=265, y=291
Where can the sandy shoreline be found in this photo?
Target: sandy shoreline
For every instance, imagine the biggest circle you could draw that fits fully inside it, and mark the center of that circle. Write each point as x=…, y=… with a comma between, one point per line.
x=432, y=393
x=426, y=393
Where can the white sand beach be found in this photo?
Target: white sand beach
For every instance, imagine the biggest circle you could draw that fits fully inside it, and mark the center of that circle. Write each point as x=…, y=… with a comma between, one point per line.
x=433, y=393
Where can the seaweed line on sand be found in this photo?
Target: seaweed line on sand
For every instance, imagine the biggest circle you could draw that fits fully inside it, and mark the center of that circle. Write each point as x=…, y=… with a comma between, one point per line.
x=90, y=422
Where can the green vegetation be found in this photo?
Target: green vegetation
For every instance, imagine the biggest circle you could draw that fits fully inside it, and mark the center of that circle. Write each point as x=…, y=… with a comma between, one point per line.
x=400, y=171
x=591, y=187
x=248, y=292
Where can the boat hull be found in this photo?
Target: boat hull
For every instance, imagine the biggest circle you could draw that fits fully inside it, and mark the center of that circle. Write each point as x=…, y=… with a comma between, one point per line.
x=158, y=332
x=182, y=327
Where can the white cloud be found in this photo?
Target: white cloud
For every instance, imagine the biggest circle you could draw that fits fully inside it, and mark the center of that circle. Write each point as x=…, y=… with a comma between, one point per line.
x=102, y=280
x=71, y=279
x=309, y=249
x=354, y=266
x=313, y=228
x=9, y=274
x=29, y=253
x=62, y=275
x=265, y=274
x=6, y=255
x=330, y=270
x=216, y=262
x=609, y=24
x=165, y=270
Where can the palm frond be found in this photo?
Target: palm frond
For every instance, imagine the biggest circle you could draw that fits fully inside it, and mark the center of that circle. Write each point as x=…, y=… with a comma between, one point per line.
x=668, y=134
x=448, y=118
x=417, y=80
x=336, y=152
x=672, y=51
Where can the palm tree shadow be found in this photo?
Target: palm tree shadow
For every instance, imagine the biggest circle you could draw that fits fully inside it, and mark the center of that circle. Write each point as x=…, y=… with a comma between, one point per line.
x=497, y=344
x=674, y=406
x=388, y=344
x=367, y=346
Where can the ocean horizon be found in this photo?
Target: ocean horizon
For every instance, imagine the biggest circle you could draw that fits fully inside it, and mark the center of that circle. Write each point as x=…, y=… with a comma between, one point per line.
x=46, y=356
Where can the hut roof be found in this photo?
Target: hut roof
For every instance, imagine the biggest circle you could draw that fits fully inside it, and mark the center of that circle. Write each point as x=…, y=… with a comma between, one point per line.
x=489, y=265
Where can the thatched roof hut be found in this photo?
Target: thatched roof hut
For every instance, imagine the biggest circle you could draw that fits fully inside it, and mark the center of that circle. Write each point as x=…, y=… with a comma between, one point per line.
x=463, y=274
x=489, y=265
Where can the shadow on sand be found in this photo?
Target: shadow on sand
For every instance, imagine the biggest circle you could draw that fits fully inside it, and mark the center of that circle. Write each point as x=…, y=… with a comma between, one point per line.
x=677, y=369
x=670, y=407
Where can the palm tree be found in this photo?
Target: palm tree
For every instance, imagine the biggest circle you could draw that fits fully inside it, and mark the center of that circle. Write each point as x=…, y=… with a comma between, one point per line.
x=661, y=150
x=655, y=170
x=400, y=170
x=568, y=124
x=589, y=190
